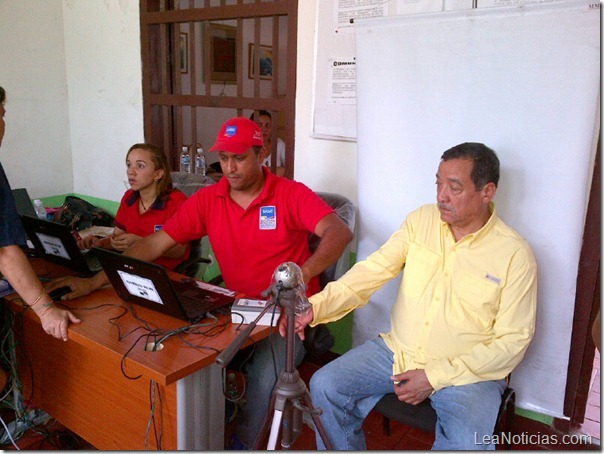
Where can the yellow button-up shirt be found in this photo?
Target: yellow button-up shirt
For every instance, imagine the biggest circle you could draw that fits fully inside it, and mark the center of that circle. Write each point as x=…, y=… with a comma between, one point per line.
x=464, y=312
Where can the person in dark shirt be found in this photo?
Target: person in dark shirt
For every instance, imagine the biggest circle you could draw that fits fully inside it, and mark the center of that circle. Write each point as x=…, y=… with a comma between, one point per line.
x=15, y=266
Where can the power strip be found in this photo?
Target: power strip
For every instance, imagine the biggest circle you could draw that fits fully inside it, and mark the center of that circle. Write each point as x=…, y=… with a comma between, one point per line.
x=17, y=427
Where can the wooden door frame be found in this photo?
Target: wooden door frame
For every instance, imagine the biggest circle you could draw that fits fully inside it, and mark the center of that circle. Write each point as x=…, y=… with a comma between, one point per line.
x=587, y=305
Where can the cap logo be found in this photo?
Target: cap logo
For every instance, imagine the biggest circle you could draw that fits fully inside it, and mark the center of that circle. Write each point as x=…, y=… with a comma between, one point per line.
x=230, y=131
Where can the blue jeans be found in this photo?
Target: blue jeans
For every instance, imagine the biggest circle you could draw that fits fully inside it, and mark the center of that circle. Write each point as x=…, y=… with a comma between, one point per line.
x=348, y=388
x=261, y=380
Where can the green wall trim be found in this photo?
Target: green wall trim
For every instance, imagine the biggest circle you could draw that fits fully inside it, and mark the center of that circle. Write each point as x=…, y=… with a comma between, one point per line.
x=545, y=419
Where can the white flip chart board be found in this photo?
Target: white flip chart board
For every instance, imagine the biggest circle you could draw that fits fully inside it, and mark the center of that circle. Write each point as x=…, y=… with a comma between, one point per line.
x=524, y=80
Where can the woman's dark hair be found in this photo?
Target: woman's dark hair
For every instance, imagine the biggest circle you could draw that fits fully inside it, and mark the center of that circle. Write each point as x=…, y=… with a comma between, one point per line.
x=2, y=95
x=486, y=163
x=160, y=161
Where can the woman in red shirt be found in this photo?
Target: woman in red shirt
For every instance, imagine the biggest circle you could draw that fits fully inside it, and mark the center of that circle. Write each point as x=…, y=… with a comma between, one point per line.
x=145, y=207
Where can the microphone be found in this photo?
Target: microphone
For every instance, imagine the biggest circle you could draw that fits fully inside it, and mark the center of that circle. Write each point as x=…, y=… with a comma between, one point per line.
x=289, y=289
x=288, y=277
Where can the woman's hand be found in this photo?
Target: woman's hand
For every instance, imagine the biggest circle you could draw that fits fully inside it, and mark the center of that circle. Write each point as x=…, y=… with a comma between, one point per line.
x=89, y=242
x=124, y=241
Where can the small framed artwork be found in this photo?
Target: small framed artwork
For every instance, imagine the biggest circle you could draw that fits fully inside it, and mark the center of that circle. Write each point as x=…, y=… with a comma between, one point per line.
x=222, y=41
x=184, y=53
x=266, y=62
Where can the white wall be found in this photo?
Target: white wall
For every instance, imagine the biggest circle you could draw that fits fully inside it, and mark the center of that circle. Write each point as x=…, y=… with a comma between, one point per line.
x=104, y=73
x=323, y=165
x=36, y=150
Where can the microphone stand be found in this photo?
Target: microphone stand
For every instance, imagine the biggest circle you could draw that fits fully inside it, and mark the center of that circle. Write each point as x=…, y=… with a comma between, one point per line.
x=290, y=397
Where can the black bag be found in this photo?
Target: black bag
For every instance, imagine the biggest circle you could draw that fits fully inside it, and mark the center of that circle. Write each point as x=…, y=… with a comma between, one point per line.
x=79, y=214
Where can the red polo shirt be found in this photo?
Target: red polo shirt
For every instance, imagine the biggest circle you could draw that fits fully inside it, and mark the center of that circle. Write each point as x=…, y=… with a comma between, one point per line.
x=250, y=244
x=130, y=220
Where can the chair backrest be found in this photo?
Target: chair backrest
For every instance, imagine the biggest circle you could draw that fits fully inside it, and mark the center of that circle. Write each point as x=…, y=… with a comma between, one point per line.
x=346, y=210
x=191, y=267
x=190, y=182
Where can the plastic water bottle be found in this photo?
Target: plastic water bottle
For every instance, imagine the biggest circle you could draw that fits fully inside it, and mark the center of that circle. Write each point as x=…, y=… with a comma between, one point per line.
x=200, y=162
x=40, y=210
x=185, y=160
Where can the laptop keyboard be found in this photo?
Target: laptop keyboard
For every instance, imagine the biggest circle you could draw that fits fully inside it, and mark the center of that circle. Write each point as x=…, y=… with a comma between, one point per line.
x=194, y=301
x=92, y=261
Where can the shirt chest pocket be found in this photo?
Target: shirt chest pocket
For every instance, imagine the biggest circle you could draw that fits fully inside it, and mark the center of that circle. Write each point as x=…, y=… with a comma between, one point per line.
x=475, y=299
x=421, y=265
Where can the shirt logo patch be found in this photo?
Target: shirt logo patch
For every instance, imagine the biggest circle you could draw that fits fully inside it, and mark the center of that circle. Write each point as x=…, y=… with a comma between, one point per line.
x=268, y=218
x=157, y=227
x=492, y=278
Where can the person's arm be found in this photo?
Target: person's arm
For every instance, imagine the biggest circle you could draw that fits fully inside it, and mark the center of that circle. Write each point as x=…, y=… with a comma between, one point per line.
x=354, y=288
x=149, y=248
x=176, y=252
x=21, y=276
x=335, y=236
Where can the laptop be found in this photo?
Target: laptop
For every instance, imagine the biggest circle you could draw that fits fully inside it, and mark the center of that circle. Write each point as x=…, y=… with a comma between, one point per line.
x=25, y=207
x=55, y=242
x=147, y=284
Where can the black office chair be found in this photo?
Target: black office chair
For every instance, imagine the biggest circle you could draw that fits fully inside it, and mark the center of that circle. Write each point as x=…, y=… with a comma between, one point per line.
x=423, y=416
x=318, y=340
x=192, y=265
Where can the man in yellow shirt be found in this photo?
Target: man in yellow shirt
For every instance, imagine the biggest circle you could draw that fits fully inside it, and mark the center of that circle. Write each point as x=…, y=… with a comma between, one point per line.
x=462, y=320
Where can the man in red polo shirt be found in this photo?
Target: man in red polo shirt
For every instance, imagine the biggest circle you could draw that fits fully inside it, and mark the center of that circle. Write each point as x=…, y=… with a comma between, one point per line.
x=255, y=221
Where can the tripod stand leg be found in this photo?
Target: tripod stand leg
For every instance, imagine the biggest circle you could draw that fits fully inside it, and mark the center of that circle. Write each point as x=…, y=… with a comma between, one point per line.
x=266, y=424
x=280, y=406
x=272, y=439
x=317, y=420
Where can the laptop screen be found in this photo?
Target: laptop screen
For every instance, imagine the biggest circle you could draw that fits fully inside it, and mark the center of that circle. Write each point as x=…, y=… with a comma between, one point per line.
x=24, y=205
x=148, y=284
x=55, y=242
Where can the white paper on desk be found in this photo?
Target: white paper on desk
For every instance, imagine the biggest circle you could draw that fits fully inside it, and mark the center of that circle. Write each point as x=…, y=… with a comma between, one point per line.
x=96, y=230
x=140, y=286
x=53, y=245
x=215, y=288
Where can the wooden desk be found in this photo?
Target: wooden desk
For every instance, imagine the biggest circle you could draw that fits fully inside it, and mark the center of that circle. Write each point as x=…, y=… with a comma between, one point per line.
x=80, y=382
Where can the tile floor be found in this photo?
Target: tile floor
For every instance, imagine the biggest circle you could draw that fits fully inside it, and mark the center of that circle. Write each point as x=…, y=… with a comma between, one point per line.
x=591, y=425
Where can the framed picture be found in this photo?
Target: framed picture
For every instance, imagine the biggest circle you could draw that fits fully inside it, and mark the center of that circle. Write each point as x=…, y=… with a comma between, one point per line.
x=222, y=59
x=266, y=62
x=184, y=53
